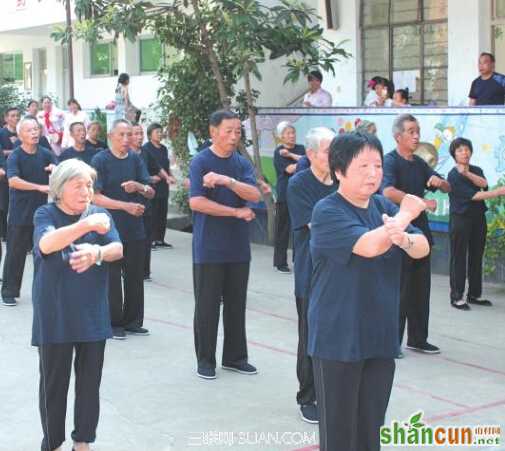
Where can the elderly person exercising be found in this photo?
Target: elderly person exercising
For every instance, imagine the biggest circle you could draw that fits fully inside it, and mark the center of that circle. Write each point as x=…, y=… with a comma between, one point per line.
x=73, y=240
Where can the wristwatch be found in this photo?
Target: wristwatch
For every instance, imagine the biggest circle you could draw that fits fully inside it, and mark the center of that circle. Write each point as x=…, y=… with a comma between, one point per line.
x=232, y=182
x=98, y=255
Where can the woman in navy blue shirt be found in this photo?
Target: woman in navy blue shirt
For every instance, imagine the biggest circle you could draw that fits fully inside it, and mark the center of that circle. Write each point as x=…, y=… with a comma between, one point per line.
x=70, y=308
x=357, y=241
x=467, y=225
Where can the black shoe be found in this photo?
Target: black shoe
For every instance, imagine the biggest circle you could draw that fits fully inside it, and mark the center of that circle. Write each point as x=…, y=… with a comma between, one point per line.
x=242, y=368
x=310, y=413
x=118, y=333
x=425, y=348
x=11, y=302
x=464, y=306
x=206, y=373
x=154, y=247
x=137, y=330
x=148, y=278
x=283, y=269
x=476, y=301
x=400, y=355
x=164, y=244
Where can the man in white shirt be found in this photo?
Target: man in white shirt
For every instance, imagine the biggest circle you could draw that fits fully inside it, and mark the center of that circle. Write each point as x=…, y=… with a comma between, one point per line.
x=317, y=96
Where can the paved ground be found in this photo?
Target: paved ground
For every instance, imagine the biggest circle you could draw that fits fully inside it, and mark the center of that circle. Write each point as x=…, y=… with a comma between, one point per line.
x=152, y=400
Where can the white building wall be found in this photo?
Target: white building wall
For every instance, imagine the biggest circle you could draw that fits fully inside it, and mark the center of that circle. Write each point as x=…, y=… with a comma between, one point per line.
x=36, y=13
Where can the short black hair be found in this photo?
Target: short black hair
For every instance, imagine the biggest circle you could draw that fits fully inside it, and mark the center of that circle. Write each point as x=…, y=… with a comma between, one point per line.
x=347, y=146
x=404, y=93
x=315, y=74
x=74, y=101
x=152, y=127
x=491, y=56
x=217, y=117
x=73, y=125
x=32, y=101
x=11, y=108
x=457, y=143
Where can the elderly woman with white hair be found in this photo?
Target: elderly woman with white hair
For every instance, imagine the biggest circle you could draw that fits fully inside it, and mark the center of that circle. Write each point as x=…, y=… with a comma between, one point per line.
x=286, y=156
x=73, y=241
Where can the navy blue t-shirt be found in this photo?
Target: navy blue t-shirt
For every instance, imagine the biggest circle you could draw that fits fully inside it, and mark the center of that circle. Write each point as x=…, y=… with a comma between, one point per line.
x=111, y=173
x=490, y=91
x=280, y=165
x=153, y=168
x=100, y=145
x=85, y=155
x=219, y=239
x=462, y=192
x=304, y=191
x=6, y=142
x=4, y=187
x=302, y=164
x=161, y=156
x=68, y=307
x=354, y=301
x=30, y=168
x=409, y=176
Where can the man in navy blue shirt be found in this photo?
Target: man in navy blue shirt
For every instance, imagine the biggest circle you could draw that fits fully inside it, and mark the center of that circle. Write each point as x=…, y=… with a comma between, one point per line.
x=305, y=189
x=93, y=139
x=122, y=184
x=489, y=88
x=286, y=156
x=406, y=173
x=28, y=169
x=222, y=182
x=80, y=149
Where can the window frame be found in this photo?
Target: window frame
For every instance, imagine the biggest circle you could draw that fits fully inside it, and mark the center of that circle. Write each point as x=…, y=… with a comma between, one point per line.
x=14, y=53
x=390, y=26
x=113, y=65
x=162, y=55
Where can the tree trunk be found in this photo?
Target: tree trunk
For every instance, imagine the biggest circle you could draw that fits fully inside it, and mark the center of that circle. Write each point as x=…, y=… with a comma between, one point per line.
x=268, y=199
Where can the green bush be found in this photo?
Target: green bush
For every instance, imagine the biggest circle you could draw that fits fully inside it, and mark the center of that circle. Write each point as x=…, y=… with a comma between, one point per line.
x=495, y=246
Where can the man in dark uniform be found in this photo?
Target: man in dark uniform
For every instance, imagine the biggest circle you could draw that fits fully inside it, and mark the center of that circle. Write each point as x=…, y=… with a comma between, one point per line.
x=406, y=173
x=80, y=149
x=28, y=169
x=489, y=88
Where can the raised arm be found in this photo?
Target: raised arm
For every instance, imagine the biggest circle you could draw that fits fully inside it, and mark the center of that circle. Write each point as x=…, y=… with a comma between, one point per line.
x=206, y=206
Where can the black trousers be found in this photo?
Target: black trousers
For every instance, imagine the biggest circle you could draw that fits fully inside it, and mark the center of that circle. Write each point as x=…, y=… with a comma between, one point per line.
x=148, y=224
x=19, y=242
x=415, y=290
x=307, y=392
x=55, y=368
x=468, y=240
x=282, y=234
x=214, y=283
x=352, y=398
x=127, y=307
x=160, y=209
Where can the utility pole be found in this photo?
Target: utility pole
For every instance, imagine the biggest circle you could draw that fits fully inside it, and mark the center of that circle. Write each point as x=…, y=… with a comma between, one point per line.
x=70, y=52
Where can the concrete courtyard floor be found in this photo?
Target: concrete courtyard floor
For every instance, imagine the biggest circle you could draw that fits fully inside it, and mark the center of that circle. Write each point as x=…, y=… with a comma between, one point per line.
x=151, y=399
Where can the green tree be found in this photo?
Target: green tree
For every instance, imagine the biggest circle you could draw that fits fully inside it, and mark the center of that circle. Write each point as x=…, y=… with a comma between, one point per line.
x=230, y=38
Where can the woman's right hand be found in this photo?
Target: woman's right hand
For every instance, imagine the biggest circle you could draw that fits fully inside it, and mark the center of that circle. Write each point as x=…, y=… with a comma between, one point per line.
x=98, y=222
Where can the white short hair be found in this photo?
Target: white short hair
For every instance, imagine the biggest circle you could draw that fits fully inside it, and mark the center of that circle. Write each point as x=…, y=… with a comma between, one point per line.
x=24, y=121
x=316, y=135
x=66, y=171
x=282, y=127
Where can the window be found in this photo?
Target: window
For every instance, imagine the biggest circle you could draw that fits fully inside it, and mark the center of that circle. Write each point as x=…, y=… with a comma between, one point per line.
x=11, y=67
x=406, y=42
x=151, y=54
x=498, y=34
x=103, y=59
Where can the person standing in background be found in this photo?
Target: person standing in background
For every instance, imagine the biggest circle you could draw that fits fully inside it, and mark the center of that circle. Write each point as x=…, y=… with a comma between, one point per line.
x=317, y=97
x=160, y=202
x=489, y=87
x=93, y=136
x=52, y=120
x=74, y=114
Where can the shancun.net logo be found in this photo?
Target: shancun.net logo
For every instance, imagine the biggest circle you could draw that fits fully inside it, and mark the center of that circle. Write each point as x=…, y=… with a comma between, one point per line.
x=415, y=433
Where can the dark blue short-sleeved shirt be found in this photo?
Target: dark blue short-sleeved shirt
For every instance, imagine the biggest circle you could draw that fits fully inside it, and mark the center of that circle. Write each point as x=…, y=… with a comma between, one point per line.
x=153, y=168
x=462, y=192
x=4, y=187
x=280, y=165
x=161, y=156
x=304, y=191
x=409, y=176
x=220, y=239
x=68, y=307
x=490, y=91
x=85, y=155
x=100, y=145
x=354, y=301
x=302, y=164
x=111, y=173
x=30, y=168
x=6, y=142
